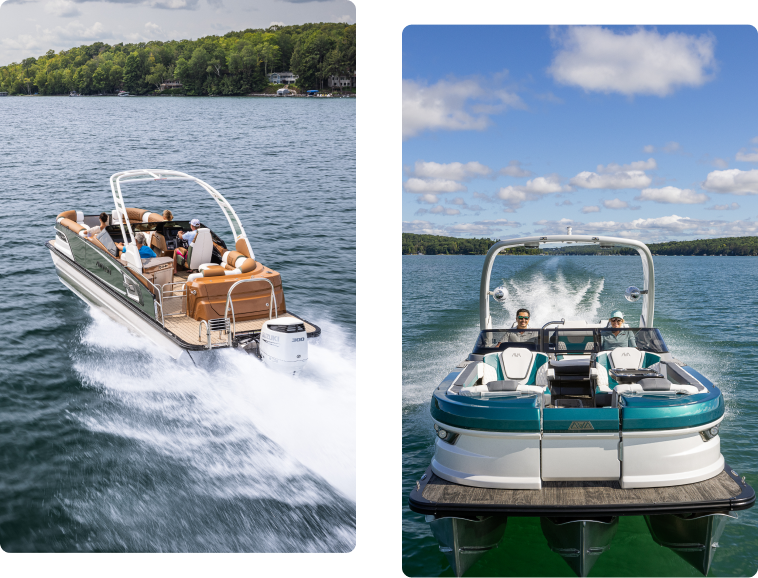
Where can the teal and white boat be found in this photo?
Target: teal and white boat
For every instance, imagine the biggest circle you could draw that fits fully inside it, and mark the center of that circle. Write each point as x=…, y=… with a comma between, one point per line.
x=577, y=423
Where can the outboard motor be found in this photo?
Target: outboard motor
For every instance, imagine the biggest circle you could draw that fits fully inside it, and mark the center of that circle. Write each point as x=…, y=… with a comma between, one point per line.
x=284, y=344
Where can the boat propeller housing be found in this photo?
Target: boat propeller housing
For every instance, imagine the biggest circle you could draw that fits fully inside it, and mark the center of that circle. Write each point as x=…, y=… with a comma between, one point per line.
x=284, y=344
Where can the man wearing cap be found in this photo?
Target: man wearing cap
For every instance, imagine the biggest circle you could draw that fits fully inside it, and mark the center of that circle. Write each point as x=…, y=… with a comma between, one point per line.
x=616, y=337
x=187, y=238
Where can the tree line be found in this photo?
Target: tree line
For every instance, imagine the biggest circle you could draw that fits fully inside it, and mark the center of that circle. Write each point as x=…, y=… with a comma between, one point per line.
x=439, y=245
x=236, y=63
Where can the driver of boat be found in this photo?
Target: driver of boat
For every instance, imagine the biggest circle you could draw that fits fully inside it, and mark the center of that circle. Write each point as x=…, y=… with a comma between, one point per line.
x=521, y=336
x=616, y=337
x=145, y=252
x=187, y=238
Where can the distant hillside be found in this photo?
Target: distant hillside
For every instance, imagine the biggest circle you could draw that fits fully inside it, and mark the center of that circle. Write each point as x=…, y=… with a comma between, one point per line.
x=439, y=245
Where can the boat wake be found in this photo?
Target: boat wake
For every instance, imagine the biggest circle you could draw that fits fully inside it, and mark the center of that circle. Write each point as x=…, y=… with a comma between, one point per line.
x=228, y=455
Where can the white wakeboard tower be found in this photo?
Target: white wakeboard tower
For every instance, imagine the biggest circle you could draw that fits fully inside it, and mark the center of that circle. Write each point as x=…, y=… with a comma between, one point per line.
x=158, y=175
x=648, y=289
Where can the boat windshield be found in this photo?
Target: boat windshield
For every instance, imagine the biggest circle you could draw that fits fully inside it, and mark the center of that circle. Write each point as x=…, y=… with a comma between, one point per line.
x=571, y=341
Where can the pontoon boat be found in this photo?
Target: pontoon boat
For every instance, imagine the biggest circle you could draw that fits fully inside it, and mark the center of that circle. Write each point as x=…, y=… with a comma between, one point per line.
x=224, y=298
x=563, y=423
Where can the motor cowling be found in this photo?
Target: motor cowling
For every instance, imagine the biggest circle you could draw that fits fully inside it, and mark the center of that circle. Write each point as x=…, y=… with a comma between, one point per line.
x=284, y=344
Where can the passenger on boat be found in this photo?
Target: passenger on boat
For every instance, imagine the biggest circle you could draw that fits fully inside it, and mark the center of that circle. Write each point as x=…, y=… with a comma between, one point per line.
x=168, y=215
x=522, y=336
x=94, y=231
x=187, y=238
x=616, y=338
x=145, y=252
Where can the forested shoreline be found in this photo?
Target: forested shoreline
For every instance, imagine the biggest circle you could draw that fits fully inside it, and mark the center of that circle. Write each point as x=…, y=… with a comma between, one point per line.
x=236, y=63
x=440, y=245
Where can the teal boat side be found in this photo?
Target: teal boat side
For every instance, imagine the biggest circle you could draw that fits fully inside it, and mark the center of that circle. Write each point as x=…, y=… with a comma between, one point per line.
x=655, y=413
x=576, y=419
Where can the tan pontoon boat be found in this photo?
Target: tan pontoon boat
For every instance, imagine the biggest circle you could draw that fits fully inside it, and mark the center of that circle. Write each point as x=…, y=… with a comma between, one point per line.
x=223, y=298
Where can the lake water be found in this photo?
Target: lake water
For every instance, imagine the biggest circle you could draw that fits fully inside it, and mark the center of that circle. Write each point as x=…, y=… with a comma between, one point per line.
x=107, y=444
x=705, y=308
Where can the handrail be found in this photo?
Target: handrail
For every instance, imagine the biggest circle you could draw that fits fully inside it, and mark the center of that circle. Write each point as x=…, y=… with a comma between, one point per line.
x=230, y=303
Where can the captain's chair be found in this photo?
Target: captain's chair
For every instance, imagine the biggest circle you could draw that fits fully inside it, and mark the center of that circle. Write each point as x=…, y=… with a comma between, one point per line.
x=200, y=250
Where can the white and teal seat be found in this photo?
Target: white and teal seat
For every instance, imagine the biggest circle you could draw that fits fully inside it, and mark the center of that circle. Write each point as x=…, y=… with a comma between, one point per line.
x=516, y=369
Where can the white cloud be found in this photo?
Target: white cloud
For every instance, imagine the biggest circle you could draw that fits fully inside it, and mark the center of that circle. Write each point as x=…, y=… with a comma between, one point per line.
x=649, y=149
x=153, y=28
x=345, y=18
x=754, y=140
x=452, y=104
x=475, y=229
x=514, y=169
x=672, y=195
x=747, y=157
x=452, y=171
x=653, y=230
x=591, y=209
x=414, y=185
x=720, y=163
x=618, y=180
x=533, y=189
x=440, y=210
x=732, y=181
x=62, y=8
x=428, y=198
x=637, y=62
x=732, y=207
x=647, y=165
x=565, y=202
x=276, y=24
x=615, y=204
x=671, y=147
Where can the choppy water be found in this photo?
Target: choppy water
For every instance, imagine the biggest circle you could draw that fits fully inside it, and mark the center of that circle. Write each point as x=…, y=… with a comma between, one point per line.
x=107, y=444
x=706, y=309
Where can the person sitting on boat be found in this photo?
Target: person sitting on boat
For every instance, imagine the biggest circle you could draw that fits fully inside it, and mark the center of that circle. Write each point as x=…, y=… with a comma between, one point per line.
x=521, y=336
x=186, y=238
x=145, y=252
x=168, y=215
x=616, y=337
x=94, y=231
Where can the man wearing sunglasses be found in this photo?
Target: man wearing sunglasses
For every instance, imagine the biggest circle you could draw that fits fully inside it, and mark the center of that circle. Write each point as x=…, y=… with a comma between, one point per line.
x=521, y=336
x=616, y=337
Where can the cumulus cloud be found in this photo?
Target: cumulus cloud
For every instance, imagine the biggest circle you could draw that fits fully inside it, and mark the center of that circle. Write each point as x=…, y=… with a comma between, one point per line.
x=732, y=207
x=487, y=228
x=440, y=210
x=532, y=190
x=672, y=195
x=414, y=185
x=647, y=165
x=428, y=198
x=615, y=204
x=62, y=8
x=590, y=209
x=748, y=157
x=648, y=149
x=451, y=171
x=514, y=169
x=732, y=181
x=617, y=180
x=655, y=229
x=452, y=104
x=637, y=62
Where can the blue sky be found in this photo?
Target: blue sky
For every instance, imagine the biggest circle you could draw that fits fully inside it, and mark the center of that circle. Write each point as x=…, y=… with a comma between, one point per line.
x=642, y=132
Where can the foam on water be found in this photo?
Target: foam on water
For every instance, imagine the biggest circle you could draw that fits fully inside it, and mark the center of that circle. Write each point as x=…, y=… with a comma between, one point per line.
x=239, y=428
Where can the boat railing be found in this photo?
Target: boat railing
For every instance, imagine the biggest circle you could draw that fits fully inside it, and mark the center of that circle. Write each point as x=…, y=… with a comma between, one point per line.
x=272, y=305
x=173, y=300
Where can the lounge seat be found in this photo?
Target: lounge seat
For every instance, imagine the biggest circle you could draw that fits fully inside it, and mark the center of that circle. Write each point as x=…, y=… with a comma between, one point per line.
x=200, y=250
x=519, y=370
x=620, y=358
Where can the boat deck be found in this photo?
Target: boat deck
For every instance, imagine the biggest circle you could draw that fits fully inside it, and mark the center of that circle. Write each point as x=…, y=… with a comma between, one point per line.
x=187, y=329
x=726, y=491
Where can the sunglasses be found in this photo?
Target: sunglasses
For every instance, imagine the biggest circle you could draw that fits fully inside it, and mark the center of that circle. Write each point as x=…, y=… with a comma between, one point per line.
x=520, y=317
x=616, y=320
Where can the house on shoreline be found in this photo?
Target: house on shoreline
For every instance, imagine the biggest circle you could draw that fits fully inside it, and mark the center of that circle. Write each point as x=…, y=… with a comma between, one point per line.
x=282, y=78
x=170, y=84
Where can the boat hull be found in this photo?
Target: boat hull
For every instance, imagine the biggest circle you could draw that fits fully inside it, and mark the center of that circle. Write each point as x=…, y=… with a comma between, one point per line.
x=105, y=299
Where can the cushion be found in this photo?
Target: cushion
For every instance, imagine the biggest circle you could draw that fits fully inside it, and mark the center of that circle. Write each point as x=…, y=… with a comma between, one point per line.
x=516, y=362
x=626, y=358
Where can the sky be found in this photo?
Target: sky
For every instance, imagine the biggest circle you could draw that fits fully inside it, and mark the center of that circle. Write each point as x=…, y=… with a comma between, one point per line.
x=644, y=132
x=32, y=27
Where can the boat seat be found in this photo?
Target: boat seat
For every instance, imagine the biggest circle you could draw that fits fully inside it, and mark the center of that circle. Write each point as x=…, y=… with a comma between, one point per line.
x=519, y=370
x=232, y=263
x=200, y=249
x=621, y=358
x=655, y=385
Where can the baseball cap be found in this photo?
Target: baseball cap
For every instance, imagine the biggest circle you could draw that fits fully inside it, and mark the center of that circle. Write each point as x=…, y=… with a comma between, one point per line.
x=617, y=313
x=195, y=222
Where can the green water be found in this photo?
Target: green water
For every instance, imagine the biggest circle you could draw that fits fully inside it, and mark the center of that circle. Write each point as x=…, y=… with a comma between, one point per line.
x=705, y=309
